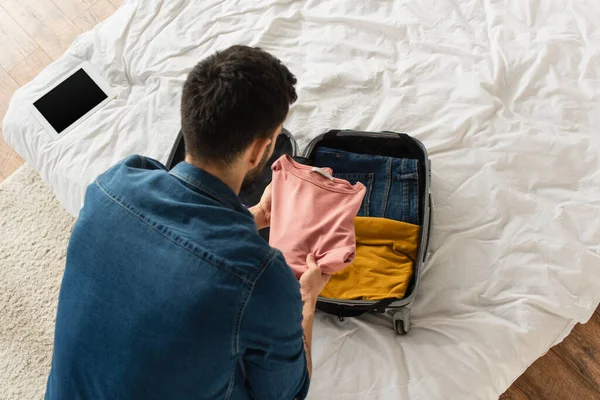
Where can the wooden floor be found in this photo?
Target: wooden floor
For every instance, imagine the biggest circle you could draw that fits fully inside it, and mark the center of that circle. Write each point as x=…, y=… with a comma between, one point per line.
x=33, y=33
x=569, y=371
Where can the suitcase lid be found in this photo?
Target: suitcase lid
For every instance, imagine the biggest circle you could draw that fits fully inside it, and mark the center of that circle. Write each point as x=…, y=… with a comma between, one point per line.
x=251, y=192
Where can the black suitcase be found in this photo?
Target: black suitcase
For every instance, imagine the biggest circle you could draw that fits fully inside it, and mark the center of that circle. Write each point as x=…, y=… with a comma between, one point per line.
x=389, y=144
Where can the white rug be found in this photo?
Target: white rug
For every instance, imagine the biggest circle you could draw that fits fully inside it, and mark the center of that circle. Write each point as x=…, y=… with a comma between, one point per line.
x=34, y=232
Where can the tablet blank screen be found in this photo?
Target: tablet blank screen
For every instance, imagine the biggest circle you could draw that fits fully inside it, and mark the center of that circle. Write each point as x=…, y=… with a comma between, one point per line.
x=70, y=100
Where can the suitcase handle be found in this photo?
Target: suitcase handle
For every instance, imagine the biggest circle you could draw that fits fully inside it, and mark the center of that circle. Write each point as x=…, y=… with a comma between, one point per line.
x=383, y=135
x=339, y=311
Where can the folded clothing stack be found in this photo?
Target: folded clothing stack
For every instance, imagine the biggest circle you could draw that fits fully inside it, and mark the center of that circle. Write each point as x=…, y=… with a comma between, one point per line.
x=387, y=226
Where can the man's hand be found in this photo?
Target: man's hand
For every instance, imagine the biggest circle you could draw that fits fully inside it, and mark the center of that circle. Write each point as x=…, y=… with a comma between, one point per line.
x=312, y=282
x=262, y=211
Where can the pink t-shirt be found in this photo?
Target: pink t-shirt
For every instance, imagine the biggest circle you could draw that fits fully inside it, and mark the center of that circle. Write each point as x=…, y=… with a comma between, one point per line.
x=313, y=213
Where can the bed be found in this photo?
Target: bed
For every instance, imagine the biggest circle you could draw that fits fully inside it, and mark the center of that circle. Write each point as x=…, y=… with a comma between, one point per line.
x=504, y=94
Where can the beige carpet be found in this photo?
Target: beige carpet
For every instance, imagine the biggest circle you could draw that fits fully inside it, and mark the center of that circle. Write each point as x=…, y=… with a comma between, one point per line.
x=34, y=232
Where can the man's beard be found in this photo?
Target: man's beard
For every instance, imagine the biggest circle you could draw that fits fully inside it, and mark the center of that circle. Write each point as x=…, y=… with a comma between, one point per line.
x=256, y=171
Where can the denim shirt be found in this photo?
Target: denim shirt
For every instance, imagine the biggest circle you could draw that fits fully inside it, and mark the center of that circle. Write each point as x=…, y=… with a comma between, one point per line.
x=170, y=293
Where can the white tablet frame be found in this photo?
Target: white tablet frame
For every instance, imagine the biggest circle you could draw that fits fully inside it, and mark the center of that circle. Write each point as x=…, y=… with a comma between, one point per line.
x=98, y=80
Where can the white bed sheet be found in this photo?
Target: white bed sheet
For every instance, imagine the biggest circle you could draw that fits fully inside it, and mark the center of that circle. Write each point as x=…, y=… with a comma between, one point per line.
x=505, y=95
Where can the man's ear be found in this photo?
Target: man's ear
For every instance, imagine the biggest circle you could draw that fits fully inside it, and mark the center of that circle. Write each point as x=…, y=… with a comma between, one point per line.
x=257, y=150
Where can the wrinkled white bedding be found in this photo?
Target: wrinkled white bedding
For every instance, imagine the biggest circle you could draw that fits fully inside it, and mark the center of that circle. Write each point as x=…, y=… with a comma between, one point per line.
x=505, y=95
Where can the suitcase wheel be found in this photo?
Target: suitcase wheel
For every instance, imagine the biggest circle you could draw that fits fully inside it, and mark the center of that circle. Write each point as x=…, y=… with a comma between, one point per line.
x=401, y=321
x=399, y=328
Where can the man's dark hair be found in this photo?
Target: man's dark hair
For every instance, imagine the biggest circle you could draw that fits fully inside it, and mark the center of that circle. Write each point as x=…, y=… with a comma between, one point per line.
x=232, y=98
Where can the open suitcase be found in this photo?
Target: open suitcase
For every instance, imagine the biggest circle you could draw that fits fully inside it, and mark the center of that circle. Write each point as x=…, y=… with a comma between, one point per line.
x=388, y=144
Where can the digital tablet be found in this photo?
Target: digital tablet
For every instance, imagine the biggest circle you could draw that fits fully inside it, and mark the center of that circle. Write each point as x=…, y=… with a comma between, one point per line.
x=71, y=100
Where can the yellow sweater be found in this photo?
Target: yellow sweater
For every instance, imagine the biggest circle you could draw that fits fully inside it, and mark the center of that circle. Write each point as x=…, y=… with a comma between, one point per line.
x=383, y=267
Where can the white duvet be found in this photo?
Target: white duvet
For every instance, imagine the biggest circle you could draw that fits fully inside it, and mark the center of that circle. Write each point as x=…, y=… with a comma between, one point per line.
x=504, y=94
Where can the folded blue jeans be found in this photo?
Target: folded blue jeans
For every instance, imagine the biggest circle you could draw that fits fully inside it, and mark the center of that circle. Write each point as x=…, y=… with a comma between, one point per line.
x=392, y=183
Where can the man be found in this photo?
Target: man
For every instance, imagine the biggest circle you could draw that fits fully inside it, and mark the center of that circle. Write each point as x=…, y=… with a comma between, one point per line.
x=169, y=292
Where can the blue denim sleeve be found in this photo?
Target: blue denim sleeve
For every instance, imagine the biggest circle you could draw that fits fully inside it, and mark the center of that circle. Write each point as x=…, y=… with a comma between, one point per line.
x=271, y=336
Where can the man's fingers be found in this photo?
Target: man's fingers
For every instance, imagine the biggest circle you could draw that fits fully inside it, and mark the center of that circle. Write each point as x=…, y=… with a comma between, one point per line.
x=310, y=261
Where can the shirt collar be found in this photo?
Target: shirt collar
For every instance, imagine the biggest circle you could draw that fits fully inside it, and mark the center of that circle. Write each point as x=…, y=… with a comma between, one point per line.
x=207, y=184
